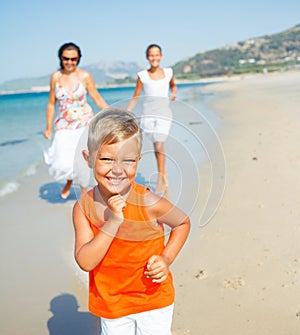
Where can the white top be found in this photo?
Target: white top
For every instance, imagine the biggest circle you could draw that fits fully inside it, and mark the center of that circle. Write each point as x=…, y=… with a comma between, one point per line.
x=156, y=92
x=159, y=87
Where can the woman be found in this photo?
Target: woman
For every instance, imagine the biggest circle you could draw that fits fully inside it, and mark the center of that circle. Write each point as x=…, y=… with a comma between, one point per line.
x=69, y=87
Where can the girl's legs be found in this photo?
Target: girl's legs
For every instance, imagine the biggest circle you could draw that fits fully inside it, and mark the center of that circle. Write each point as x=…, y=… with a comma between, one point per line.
x=162, y=182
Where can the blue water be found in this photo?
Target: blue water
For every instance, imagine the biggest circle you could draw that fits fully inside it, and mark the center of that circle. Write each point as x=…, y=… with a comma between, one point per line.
x=22, y=123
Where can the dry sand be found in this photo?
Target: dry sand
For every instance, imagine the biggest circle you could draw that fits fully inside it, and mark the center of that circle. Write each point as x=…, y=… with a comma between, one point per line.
x=239, y=274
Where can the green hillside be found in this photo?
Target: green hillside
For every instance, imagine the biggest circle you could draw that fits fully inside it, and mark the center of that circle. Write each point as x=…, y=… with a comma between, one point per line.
x=266, y=53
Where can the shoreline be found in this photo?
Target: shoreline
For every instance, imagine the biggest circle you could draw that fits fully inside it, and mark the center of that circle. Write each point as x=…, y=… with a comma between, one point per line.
x=45, y=89
x=34, y=142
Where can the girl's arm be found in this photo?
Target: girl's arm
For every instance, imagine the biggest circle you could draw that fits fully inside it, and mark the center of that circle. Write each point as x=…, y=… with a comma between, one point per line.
x=50, y=109
x=90, y=249
x=165, y=212
x=173, y=88
x=93, y=92
x=137, y=93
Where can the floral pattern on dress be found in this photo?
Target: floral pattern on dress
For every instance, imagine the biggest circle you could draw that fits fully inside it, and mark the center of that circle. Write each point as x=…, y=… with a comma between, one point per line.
x=73, y=110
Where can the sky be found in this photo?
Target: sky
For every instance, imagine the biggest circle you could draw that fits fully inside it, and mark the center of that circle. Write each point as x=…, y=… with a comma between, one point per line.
x=32, y=31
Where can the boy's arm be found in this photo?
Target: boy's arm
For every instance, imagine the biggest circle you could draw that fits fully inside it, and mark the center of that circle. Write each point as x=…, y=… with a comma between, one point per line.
x=136, y=94
x=179, y=223
x=165, y=212
x=90, y=249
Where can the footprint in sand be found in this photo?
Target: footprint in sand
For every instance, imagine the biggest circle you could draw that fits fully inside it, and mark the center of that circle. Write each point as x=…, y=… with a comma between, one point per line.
x=201, y=274
x=234, y=283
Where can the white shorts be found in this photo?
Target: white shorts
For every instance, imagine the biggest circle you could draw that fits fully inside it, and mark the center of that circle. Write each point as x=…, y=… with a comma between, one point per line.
x=154, y=322
x=156, y=128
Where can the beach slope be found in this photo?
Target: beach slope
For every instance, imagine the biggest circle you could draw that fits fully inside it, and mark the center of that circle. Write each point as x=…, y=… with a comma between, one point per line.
x=241, y=273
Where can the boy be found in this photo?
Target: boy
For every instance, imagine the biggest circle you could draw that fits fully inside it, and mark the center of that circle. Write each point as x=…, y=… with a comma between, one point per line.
x=119, y=236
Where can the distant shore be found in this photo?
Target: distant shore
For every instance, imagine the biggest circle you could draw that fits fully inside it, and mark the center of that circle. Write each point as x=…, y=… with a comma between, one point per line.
x=44, y=89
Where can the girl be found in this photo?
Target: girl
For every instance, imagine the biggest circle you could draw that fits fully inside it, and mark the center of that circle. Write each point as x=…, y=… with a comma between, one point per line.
x=157, y=115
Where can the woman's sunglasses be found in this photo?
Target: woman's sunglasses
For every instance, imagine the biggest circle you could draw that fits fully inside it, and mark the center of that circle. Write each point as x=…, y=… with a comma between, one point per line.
x=73, y=59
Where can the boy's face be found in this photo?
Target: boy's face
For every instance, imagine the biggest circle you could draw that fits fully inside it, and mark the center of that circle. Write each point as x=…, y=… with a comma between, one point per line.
x=115, y=166
x=154, y=56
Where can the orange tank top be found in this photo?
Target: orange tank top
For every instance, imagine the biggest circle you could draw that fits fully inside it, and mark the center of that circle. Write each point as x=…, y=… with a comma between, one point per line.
x=118, y=285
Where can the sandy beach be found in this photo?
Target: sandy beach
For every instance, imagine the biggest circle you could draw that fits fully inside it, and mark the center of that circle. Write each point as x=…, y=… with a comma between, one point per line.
x=238, y=274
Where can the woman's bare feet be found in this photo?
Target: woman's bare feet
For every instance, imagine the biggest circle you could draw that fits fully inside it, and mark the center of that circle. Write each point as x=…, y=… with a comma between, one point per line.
x=66, y=190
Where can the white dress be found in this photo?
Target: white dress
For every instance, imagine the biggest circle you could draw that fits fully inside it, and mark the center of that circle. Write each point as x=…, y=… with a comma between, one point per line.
x=64, y=156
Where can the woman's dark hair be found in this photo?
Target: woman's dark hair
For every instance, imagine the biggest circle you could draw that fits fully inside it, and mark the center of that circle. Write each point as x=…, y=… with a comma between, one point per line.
x=68, y=46
x=152, y=46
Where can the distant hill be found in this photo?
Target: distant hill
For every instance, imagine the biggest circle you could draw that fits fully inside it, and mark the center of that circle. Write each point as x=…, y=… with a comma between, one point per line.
x=104, y=73
x=266, y=53
x=25, y=84
x=260, y=54
x=113, y=72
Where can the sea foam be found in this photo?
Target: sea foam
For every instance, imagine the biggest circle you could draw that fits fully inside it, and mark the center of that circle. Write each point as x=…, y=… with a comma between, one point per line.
x=31, y=170
x=9, y=188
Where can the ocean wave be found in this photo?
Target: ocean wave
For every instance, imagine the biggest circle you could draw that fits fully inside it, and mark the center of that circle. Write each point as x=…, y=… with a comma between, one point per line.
x=31, y=170
x=9, y=188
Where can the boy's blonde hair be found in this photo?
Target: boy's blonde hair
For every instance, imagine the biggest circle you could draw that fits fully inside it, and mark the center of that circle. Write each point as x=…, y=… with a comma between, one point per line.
x=111, y=126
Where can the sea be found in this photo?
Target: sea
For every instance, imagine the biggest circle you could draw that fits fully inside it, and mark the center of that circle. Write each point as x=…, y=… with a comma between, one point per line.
x=23, y=117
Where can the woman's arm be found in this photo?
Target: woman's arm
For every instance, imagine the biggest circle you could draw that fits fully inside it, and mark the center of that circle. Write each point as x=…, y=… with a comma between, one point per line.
x=93, y=92
x=50, y=108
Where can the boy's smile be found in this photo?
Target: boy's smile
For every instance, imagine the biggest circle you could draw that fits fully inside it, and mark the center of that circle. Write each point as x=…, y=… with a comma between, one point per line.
x=115, y=166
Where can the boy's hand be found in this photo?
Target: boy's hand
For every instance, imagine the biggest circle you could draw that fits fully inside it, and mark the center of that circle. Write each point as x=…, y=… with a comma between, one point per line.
x=157, y=269
x=116, y=204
